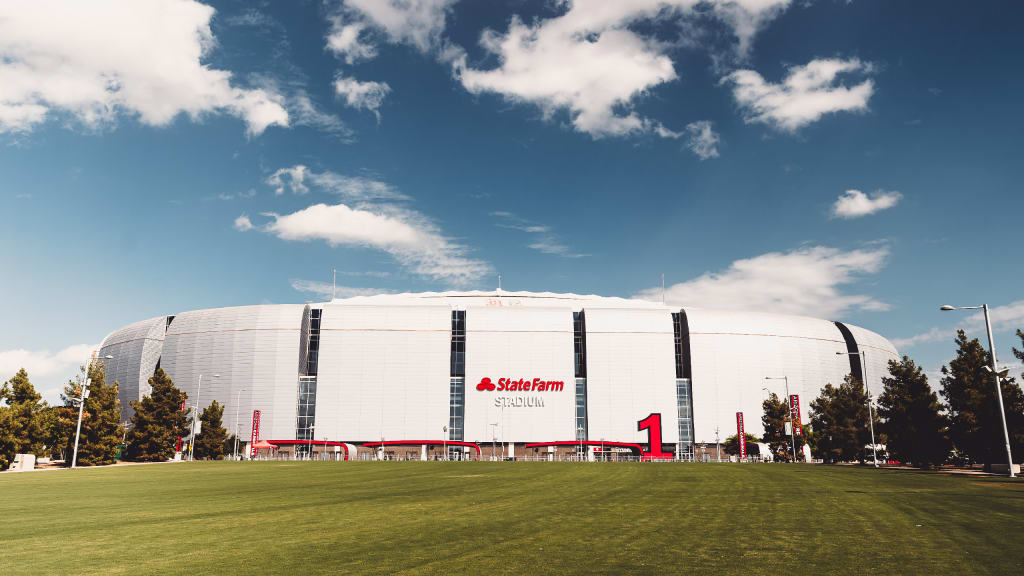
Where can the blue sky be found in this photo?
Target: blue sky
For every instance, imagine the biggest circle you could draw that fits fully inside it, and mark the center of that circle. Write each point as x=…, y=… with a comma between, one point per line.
x=857, y=161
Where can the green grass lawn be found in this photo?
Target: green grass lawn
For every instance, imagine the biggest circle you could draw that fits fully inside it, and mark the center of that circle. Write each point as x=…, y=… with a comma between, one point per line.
x=484, y=518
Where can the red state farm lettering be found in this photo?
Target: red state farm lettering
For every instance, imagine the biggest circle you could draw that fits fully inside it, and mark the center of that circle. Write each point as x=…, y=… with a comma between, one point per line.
x=521, y=385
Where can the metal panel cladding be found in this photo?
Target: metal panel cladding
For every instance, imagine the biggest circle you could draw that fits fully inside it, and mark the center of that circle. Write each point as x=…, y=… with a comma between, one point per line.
x=519, y=343
x=733, y=351
x=136, y=349
x=878, y=351
x=254, y=349
x=630, y=373
x=383, y=371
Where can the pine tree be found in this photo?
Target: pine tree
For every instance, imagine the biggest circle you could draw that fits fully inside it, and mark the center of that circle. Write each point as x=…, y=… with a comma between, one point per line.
x=776, y=413
x=8, y=441
x=158, y=421
x=975, y=425
x=101, y=419
x=774, y=422
x=839, y=417
x=212, y=434
x=732, y=444
x=23, y=421
x=911, y=415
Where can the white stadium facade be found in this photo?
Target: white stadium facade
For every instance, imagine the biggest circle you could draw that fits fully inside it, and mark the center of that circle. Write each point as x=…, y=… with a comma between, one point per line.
x=488, y=374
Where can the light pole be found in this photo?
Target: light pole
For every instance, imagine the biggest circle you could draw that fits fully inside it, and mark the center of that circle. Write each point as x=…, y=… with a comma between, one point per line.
x=238, y=400
x=871, y=417
x=81, y=406
x=995, y=372
x=789, y=415
x=444, y=440
x=195, y=416
x=494, y=440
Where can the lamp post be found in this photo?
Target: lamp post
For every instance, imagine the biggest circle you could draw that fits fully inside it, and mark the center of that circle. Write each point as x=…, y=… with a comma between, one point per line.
x=309, y=447
x=789, y=415
x=995, y=372
x=871, y=417
x=195, y=416
x=444, y=440
x=238, y=400
x=494, y=440
x=81, y=406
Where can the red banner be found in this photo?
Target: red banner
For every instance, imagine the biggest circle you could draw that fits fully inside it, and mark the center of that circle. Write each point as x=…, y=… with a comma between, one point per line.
x=177, y=445
x=255, y=433
x=794, y=407
x=741, y=435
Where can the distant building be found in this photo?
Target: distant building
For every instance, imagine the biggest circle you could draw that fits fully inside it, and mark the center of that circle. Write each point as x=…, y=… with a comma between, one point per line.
x=527, y=373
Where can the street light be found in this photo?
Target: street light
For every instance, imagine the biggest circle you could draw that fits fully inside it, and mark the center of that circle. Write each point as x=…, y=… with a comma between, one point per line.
x=789, y=416
x=195, y=416
x=864, y=376
x=996, y=372
x=444, y=440
x=81, y=406
x=494, y=440
x=238, y=400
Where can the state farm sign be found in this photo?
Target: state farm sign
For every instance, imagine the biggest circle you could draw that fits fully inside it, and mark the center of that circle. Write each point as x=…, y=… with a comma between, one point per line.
x=520, y=385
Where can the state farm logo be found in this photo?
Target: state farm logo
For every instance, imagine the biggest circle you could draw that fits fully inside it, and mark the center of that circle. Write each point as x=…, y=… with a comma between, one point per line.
x=520, y=385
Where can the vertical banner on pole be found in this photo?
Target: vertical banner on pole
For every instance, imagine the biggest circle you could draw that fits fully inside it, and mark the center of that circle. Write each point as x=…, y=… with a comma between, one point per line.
x=741, y=435
x=255, y=433
x=794, y=406
x=177, y=445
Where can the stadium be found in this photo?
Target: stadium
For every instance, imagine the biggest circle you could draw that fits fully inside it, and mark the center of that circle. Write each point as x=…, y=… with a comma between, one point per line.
x=491, y=374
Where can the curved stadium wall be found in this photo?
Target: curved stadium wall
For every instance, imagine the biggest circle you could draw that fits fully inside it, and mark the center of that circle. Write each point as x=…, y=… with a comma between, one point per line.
x=512, y=367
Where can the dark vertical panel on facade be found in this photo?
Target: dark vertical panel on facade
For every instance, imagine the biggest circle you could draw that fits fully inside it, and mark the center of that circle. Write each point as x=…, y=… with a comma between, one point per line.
x=851, y=347
x=304, y=341
x=684, y=334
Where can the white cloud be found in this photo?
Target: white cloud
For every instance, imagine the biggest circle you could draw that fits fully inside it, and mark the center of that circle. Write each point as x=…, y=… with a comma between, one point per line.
x=544, y=238
x=242, y=223
x=408, y=236
x=1004, y=319
x=362, y=95
x=703, y=140
x=356, y=23
x=418, y=23
x=293, y=178
x=854, y=203
x=344, y=40
x=805, y=281
x=299, y=178
x=47, y=370
x=594, y=63
x=94, y=60
x=306, y=113
x=806, y=94
x=325, y=289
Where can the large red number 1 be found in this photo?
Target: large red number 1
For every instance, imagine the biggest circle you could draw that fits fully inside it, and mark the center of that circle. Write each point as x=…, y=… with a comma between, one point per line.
x=653, y=426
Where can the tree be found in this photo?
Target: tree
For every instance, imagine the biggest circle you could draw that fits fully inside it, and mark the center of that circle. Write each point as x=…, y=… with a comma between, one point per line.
x=212, y=434
x=732, y=444
x=101, y=419
x=22, y=422
x=776, y=413
x=911, y=415
x=975, y=425
x=839, y=417
x=158, y=421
